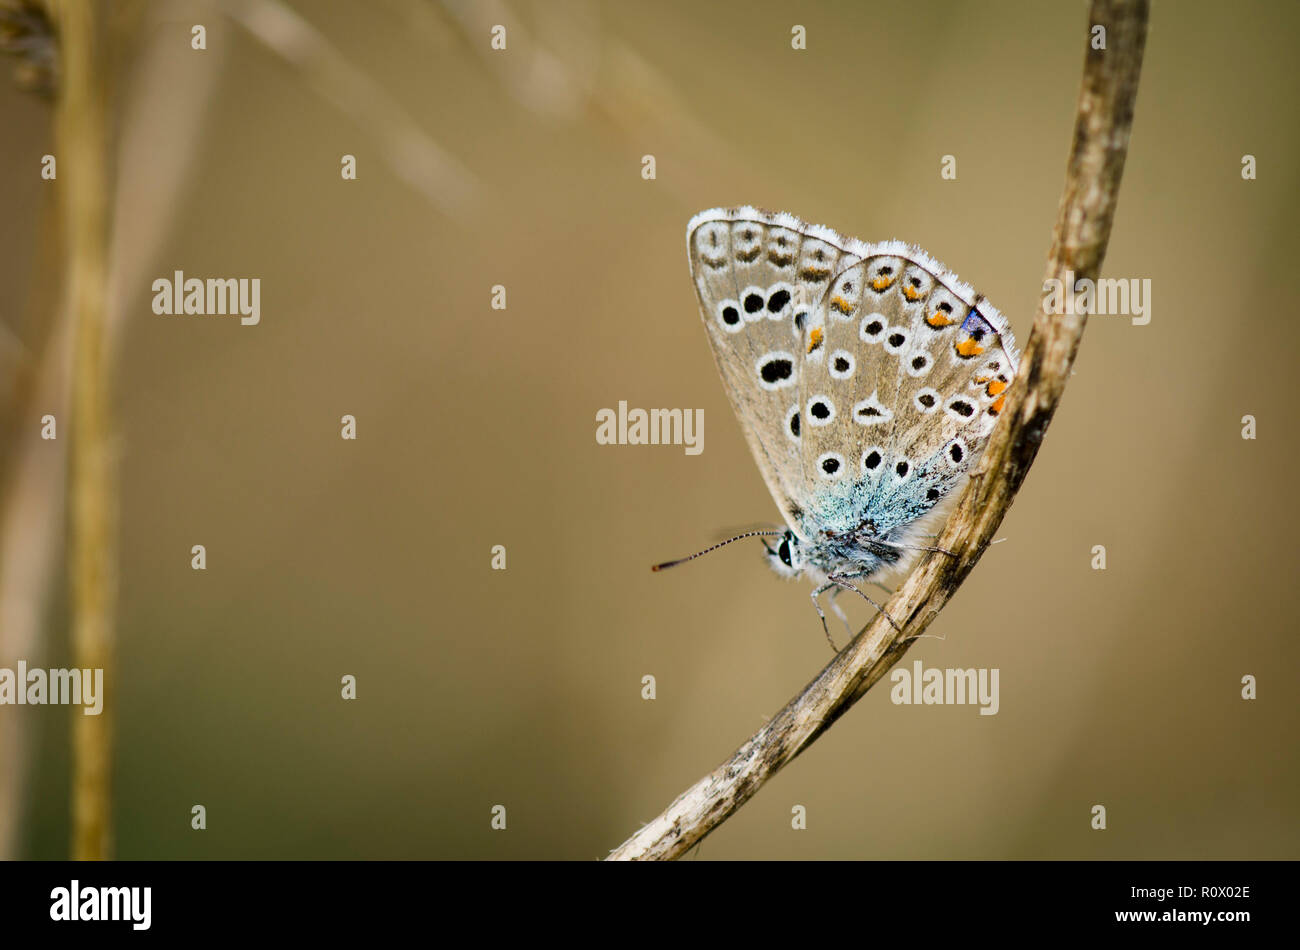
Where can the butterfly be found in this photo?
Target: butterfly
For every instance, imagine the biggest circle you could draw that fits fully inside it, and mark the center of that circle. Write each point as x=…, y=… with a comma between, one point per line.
x=867, y=378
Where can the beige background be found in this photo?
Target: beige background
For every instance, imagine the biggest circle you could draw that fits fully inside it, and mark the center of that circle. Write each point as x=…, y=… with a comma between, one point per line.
x=476, y=428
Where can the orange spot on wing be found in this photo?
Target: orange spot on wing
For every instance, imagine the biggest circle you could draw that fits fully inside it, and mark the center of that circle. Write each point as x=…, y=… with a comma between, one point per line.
x=981, y=380
x=815, y=339
x=998, y=404
x=911, y=293
x=997, y=387
x=842, y=305
x=937, y=319
x=968, y=347
x=880, y=283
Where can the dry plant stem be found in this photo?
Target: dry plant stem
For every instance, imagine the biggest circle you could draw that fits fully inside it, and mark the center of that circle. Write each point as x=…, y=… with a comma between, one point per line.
x=160, y=131
x=81, y=136
x=1103, y=121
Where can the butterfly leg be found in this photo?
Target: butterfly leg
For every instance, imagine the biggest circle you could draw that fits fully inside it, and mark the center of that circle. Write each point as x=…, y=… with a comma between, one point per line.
x=841, y=580
x=817, y=592
x=835, y=584
x=839, y=611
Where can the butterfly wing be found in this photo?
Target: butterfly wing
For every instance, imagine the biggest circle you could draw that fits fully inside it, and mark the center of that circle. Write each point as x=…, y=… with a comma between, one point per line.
x=867, y=377
x=956, y=372
x=759, y=277
x=915, y=374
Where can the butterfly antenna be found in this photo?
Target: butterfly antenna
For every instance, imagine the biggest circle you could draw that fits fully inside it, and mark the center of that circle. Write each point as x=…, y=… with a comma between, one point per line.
x=740, y=537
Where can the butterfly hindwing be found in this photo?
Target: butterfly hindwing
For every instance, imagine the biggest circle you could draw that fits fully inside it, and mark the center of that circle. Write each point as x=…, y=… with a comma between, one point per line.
x=955, y=371
x=849, y=386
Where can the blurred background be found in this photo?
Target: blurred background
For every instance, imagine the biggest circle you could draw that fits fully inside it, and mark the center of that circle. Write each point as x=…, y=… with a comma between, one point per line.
x=476, y=427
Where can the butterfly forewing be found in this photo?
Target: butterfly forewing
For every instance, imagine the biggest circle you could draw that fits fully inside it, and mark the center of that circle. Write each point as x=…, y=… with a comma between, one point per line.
x=745, y=267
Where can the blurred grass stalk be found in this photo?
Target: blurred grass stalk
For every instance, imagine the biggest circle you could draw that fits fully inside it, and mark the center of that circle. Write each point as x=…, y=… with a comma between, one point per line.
x=81, y=137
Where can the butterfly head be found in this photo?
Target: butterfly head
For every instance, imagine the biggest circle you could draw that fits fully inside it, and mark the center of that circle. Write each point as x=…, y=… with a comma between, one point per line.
x=786, y=557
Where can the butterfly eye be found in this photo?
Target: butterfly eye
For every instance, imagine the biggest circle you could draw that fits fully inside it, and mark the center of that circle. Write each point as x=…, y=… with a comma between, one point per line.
x=783, y=553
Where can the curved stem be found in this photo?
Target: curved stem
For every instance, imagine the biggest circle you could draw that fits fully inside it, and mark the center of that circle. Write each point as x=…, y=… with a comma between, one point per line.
x=1103, y=121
